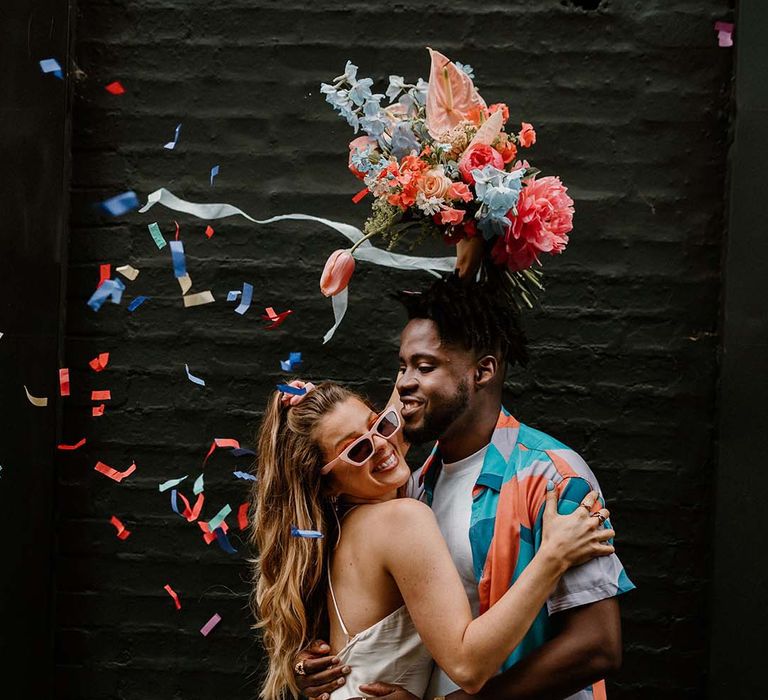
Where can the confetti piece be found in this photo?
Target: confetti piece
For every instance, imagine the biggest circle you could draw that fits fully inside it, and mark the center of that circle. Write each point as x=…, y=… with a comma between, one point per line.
x=121, y=203
x=277, y=319
x=198, y=487
x=223, y=541
x=245, y=302
x=98, y=410
x=177, y=256
x=208, y=626
x=190, y=514
x=103, y=395
x=242, y=515
x=288, y=389
x=109, y=289
x=217, y=519
x=176, y=237
x=128, y=271
x=113, y=473
x=209, y=231
x=64, y=381
x=173, y=595
x=35, y=400
x=221, y=442
x=170, y=483
x=137, y=302
x=233, y=295
x=193, y=378
x=100, y=362
x=172, y=144
x=76, y=446
x=157, y=235
x=359, y=196
x=122, y=533
x=245, y=475
x=240, y=451
x=115, y=88
x=197, y=299
x=105, y=272
x=185, y=283
x=51, y=65
x=309, y=534
x=293, y=361
x=724, y=34
x=214, y=173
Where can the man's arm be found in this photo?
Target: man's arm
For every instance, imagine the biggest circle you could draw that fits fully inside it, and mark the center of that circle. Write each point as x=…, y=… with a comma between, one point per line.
x=586, y=648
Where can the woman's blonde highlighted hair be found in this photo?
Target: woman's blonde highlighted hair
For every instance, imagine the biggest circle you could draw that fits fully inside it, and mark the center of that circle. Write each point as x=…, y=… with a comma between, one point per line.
x=289, y=573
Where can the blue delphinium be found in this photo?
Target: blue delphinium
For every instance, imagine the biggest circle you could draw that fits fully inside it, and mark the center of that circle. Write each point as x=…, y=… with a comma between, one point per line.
x=403, y=140
x=466, y=68
x=498, y=192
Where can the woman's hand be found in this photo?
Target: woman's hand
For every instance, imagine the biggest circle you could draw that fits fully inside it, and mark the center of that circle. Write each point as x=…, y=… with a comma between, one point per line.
x=576, y=538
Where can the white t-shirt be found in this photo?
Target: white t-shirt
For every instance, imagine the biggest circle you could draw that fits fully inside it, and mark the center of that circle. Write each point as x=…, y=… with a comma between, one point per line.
x=452, y=506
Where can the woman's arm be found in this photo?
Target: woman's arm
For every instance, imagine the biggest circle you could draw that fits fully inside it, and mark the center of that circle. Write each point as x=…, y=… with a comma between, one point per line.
x=471, y=651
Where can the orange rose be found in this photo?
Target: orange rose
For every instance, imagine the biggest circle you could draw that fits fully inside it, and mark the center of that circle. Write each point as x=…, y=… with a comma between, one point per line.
x=434, y=183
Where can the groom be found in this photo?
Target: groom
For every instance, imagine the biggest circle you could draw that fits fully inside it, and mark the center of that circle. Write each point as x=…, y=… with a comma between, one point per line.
x=485, y=482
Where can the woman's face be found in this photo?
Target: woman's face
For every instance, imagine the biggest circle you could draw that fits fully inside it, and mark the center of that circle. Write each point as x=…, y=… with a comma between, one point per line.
x=381, y=475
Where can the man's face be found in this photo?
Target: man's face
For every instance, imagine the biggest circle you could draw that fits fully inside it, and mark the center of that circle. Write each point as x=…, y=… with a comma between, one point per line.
x=434, y=382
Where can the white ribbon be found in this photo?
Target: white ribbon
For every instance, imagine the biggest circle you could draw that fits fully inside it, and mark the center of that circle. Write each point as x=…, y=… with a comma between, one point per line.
x=366, y=251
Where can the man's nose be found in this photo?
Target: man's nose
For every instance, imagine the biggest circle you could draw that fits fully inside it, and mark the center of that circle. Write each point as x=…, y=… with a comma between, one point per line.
x=405, y=383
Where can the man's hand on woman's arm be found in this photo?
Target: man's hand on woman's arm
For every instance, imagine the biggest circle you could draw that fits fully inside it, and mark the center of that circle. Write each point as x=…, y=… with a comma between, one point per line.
x=586, y=648
x=322, y=673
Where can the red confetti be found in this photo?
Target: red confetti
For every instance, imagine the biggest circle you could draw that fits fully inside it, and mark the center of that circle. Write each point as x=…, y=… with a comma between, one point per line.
x=242, y=515
x=64, y=381
x=209, y=536
x=122, y=532
x=208, y=231
x=105, y=272
x=71, y=447
x=177, y=229
x=221, y=442
x=359, y=196
x=191, y=514
x=277, y=319
x=173, y=595
x=98, y=410
x=105, y=395
x=115, y=88
x=113, y=473
x=100, y=362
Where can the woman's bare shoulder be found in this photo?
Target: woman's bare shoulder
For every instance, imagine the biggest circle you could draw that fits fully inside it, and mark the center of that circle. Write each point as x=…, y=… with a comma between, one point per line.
x=385, y=522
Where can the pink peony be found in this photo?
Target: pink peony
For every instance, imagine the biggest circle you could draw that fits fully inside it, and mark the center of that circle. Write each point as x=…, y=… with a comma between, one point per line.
x=337, y=272
x=544, y=219
x=527, y=136
x=476, y=158
x=451, y=216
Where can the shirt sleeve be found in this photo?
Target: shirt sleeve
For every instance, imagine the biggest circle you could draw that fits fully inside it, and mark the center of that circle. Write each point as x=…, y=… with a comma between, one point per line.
x=598, y=579
x=414, y=490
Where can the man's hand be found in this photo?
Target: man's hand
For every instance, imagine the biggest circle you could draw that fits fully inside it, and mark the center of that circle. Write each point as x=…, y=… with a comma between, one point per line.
x=322, y=673
x=387, y=690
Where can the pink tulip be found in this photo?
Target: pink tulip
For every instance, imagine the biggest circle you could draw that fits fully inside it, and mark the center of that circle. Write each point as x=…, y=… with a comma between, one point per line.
x=337, y=272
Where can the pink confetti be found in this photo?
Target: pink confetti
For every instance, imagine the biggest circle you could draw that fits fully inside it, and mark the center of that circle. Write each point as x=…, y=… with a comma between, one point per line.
x=209, y=536
x=115, y=88
x=221, y=442
x=242, y=515
x=113, y=473
x=173, y=595
x=724, y=34
x=98, y=411
x=276, y=318
x=209, y=231
x=64, y=381
x=105, y=395
x=208, y=626
x=122, y=532
x=71, y=447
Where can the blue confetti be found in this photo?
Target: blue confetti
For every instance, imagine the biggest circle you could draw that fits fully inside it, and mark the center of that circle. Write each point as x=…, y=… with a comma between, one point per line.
x=223, y=542
x=288, y=389
x=109, y=289
x=240, y=451
x=232, y=296
x=137, y=302
x=293, y=361
x=194, y=379
x=121, y=203
x=177, y=255
x=214, y=173
x=51, y=65
x=172, y=144
x=245, y=475
x=245, y=301
x=309, y=534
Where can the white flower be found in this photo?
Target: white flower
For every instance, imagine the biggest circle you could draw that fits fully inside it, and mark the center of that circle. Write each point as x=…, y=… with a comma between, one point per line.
x=429, y=205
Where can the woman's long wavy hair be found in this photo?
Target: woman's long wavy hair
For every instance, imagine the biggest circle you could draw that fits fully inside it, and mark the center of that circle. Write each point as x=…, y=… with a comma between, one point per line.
x=290, y=573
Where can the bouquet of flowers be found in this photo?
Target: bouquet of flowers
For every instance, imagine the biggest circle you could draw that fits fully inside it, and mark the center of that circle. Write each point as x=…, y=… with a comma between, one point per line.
x=439, y=161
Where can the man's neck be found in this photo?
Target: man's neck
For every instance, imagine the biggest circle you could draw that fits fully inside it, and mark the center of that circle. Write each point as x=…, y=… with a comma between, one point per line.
x=470, y=432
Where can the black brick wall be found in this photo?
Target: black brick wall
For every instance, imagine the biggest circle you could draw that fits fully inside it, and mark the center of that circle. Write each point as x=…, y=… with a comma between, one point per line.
x=630, y=102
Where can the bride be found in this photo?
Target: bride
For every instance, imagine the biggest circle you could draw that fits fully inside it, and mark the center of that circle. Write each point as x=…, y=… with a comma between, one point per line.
x=380, y=581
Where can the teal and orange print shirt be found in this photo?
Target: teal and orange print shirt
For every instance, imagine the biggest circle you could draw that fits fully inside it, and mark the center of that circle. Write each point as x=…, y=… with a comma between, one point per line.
x=506, y=524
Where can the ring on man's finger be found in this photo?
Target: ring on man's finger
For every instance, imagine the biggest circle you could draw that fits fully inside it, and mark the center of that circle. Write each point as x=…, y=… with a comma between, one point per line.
x=599, y=515
x=299, y=668
x=584, y=505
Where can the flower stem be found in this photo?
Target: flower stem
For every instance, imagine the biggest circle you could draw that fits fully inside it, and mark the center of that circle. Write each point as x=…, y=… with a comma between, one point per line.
x=362, y=240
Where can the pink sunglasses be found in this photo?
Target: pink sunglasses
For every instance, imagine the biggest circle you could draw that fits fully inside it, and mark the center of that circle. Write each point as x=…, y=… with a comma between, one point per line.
x=361, y=450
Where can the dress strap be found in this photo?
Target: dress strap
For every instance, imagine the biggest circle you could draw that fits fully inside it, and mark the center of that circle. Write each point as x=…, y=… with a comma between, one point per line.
x=336, y=608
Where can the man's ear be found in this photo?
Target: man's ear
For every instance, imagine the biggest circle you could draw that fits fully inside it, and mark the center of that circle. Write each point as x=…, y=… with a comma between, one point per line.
x=486, y=370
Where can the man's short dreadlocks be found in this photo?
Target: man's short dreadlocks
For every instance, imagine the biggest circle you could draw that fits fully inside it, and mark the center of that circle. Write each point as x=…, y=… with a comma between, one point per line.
x=476, y=316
